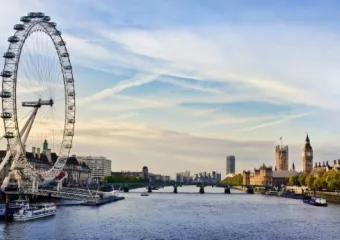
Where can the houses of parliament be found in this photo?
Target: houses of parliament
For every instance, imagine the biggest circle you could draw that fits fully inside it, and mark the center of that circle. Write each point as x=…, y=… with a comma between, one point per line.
x=282, y=157
x=266, y=175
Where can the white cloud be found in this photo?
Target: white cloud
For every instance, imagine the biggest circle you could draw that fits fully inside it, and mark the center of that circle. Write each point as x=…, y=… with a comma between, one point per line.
x=137, y=80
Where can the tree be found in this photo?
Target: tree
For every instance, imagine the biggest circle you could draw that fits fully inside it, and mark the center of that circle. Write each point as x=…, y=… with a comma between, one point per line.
x=302, y=179
x=294, y=180
x=310, y=180
x=235, y=180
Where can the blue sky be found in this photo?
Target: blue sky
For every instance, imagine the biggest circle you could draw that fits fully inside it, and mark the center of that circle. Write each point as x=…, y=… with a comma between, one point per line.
x=178, y=85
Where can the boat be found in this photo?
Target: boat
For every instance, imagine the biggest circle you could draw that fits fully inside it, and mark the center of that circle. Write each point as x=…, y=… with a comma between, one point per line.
x=316, y=201
x=3, y=213
x=35, y=211
x=101, y=199
x=144, y=194
x=13, y=207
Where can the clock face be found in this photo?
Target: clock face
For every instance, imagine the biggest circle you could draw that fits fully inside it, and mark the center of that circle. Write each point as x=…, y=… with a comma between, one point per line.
x=309, y=154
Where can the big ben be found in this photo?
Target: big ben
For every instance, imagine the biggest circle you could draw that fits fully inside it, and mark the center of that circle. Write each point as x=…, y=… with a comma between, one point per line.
x=307, y=156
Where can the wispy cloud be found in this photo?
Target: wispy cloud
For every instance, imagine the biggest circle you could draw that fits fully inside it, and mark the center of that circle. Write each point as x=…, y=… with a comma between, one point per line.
x=278, y=120
x=137, y=80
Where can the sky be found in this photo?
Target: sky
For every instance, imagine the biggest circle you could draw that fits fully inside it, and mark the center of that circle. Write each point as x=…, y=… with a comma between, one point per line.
x=179, y=85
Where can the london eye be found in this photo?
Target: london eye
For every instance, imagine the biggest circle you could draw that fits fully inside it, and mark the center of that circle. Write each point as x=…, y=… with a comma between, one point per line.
x=38, y=97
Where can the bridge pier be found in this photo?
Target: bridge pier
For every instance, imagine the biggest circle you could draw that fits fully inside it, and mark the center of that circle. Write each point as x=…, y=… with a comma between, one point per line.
x=149, y=189
x=201, y=190
x=175, y=189
x=227, y=190
x=126, y=188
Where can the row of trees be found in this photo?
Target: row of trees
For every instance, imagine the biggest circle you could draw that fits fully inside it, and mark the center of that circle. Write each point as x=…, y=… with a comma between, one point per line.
x=235, y=180
x=120, y=179
x=322, y=180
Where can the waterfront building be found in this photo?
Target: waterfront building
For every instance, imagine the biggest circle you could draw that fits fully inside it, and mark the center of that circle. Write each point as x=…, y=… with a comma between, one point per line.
x=246, y=177
x=282, y=177
x=78, y=173
x=307, y=156
x=281, y=158
x=260, y=176
x=183, y=176
x=326, y=166
x=145, y=173
x=218, y=177
x=100, y=166
x=230, y=164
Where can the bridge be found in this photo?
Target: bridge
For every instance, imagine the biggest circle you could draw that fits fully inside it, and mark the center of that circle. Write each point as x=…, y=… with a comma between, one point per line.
x=201, y=185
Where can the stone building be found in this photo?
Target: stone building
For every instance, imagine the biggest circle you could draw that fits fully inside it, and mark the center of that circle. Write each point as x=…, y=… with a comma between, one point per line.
x=281, y=158
x=262, y=176
x=78, y=173
x=246, y=177
x=307, y=156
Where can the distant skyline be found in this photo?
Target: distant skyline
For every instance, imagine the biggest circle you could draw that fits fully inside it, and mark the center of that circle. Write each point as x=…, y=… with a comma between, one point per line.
x=178, y=85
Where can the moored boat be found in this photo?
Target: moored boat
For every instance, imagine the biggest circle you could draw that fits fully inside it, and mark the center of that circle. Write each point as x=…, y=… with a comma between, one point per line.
x=36, y=211
x=316, y=201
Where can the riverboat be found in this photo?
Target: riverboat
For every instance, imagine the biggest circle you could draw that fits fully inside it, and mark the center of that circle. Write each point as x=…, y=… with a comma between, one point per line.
x=3, y=213
x=316, y=201
x=34, y=212
x=144, y=194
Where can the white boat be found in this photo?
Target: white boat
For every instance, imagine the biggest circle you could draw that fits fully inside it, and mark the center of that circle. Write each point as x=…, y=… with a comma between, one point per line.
x=34, y=212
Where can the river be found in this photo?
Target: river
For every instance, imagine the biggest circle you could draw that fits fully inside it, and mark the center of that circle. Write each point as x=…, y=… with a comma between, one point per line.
x=164, y=215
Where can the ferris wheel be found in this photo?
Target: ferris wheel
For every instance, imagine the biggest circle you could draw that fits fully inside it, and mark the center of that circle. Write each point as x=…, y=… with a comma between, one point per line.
x=38, y=97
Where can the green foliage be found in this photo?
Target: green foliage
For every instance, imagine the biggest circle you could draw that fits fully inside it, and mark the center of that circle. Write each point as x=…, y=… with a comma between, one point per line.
x=121, y=179
x=324, y=180
x=294, y=181
x=310, y=181
x=302, y=179
x=235, y=180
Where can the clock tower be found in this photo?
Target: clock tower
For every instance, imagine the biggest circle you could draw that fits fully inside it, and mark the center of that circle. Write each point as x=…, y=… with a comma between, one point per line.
x=307, y=156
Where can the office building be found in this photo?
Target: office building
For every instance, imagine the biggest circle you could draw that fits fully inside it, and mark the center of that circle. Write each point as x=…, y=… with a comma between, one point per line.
x=100, y=166
x=230, y=164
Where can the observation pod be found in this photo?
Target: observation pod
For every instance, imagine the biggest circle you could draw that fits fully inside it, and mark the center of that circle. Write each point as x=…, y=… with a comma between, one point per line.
x=68, y=67
x=19, y=27
x=32, y=15
x=69, y=133
x=61, y=43
x=13, y=39
x=9, y=55
x=53, y=24
x=65, y=55
x=69, y=80
x=6, y=74
x=70, y=94
x=6, y=115
x=46, y=18
x=56, y=33
x=9, y=135
x=25, y=19
x=70, y=108
x=5, y=94
x=70, y=121
x=39, y=15
x=68, y=146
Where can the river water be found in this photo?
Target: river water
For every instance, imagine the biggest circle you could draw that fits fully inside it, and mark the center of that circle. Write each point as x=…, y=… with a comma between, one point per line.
x=189, y=215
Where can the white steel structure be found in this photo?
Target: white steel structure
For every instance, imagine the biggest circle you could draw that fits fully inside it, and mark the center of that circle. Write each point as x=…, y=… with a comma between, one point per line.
x=99, y=166
x=36, y=67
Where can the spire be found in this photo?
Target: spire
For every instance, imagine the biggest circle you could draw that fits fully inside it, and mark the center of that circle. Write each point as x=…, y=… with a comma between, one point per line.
x=293, y=167
x=307, y=139
x=45, y=146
